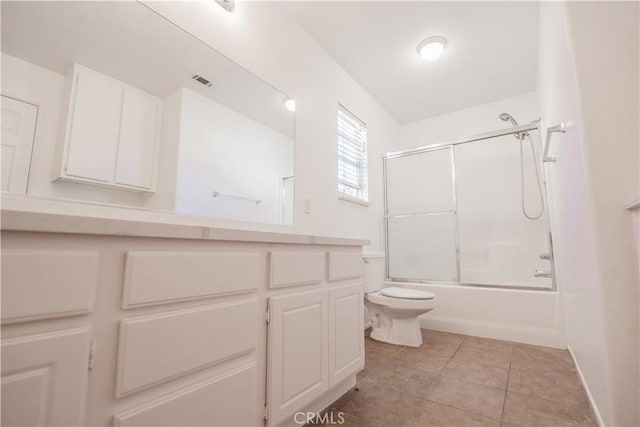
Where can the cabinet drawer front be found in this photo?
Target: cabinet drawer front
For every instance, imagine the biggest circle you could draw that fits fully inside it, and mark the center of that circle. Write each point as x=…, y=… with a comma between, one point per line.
x=296, y=268
x=164, y=277
x=42, y=284
x=189, y=339
x=226, y=400
x=94, y=127
x=345, y=265
x=44, y=378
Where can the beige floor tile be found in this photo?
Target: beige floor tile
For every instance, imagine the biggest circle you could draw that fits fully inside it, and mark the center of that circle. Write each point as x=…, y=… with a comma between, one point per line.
x=437, y=348
x=476, y=372
x=375, y=357
x=430, y=336
x=421, y=360
x=379, y=407
x=436, y=414
x=564, y=388
x=398, y=379
x=542, y=359
x=531, y=411
x=470, y=397
x=336, y=417
x=381, y=347
x=488, y=344
x=499, y=359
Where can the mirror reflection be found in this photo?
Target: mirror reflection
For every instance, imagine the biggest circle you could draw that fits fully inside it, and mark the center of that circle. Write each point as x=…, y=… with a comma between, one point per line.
x=121, y=106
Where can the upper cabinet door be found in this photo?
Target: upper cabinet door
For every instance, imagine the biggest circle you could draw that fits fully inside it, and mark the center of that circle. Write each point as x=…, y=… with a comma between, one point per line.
x=137, y=145
x=94, y=127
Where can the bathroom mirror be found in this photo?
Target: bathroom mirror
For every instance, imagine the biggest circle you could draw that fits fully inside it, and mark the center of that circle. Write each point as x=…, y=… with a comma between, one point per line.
x=224, y=138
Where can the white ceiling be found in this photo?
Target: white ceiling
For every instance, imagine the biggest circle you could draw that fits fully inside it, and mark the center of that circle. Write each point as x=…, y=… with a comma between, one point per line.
x=131, y=43
x=491, y=52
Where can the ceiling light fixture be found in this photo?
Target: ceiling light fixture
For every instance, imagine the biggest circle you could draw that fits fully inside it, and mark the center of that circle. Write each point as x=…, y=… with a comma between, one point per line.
x=289, y=104
x=228, y=5
x=431, y=48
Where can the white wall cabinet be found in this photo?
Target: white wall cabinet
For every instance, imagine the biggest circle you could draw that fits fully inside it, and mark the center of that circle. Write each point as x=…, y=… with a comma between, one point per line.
x=112, y=133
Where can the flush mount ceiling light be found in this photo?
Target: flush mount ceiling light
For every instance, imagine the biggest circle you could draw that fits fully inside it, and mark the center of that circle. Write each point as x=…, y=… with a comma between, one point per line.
x=228, y=5
x=431, y=48
x=289, y=104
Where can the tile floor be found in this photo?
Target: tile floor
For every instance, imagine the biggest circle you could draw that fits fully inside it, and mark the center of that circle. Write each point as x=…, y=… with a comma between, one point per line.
x=456, y=380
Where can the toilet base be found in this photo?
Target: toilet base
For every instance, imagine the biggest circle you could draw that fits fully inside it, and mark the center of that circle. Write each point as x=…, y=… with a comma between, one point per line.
x=399, y=332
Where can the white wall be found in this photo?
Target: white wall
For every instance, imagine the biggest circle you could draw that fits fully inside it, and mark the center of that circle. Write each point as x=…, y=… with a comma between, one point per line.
x=595, y=175
x=259, y=37
x=468, y=121
x=224, y=151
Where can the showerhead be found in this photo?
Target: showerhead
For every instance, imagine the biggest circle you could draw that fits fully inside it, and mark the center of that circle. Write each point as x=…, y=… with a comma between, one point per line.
x=509, y=118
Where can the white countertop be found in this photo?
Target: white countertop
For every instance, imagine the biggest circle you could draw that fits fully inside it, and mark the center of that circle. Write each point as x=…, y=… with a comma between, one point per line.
x=20, y=213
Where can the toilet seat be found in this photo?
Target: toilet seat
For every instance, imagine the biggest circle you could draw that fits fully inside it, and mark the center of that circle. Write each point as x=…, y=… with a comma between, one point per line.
x=406, y=293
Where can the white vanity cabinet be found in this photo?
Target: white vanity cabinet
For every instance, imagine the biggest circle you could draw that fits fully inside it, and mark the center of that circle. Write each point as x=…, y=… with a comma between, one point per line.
x=114, y=322
x=315, y=328
x=112, y=133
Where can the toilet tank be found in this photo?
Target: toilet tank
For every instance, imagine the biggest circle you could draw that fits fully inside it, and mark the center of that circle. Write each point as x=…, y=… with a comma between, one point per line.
x=373, y=271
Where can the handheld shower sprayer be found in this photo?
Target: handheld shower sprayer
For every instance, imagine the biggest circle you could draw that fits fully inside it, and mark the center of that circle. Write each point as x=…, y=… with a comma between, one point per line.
x=521, y=136
x=509, y=118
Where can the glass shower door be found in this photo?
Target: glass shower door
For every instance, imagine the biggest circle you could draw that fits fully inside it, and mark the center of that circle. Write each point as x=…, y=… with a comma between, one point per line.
x=421, y=216
x=498, y=245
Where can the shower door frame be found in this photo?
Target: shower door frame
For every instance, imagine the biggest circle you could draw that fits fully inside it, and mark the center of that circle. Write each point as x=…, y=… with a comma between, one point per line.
x=535, y=125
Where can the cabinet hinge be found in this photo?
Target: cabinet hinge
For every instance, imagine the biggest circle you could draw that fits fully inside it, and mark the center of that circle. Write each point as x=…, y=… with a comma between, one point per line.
x=266, y=412
x=92, y=353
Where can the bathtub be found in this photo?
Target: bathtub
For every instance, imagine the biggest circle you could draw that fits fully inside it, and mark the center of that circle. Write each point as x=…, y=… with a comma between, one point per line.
x=526, y=316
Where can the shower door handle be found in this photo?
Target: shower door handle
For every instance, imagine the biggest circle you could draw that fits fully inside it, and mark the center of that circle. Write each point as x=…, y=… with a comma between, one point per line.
x=540, y=273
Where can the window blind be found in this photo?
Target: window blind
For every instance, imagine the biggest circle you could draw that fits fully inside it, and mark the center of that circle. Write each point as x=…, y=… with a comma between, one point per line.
x=352, y=156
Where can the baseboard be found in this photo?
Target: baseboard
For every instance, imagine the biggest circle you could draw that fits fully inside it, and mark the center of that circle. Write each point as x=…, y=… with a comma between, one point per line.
x=592, y=402
x=525, y=335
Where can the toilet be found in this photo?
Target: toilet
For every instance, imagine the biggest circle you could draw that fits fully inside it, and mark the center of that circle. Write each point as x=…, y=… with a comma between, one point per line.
x=393, y=311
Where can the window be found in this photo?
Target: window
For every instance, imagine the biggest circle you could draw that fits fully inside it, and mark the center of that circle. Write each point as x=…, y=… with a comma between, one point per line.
x=352, y=157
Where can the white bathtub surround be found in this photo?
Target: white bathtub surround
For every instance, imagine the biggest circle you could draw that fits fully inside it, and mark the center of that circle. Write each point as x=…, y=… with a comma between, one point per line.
x=526, y=316
x=177, y=321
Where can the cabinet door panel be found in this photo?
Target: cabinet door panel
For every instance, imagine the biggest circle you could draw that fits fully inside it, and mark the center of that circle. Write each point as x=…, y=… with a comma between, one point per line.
x=346, y=336
x=44, y=378
x=136, y=147
x=95, y=126
x=298, y=364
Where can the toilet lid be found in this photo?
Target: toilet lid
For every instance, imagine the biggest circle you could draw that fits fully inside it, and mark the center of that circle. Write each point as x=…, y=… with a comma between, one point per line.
x=406, y=293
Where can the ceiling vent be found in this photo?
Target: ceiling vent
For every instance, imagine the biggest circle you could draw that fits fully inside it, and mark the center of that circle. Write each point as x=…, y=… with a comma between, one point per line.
x=201, y=80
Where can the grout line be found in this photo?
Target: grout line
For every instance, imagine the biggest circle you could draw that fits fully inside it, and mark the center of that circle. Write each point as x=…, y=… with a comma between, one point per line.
x=506, y=388
x=439, y=373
